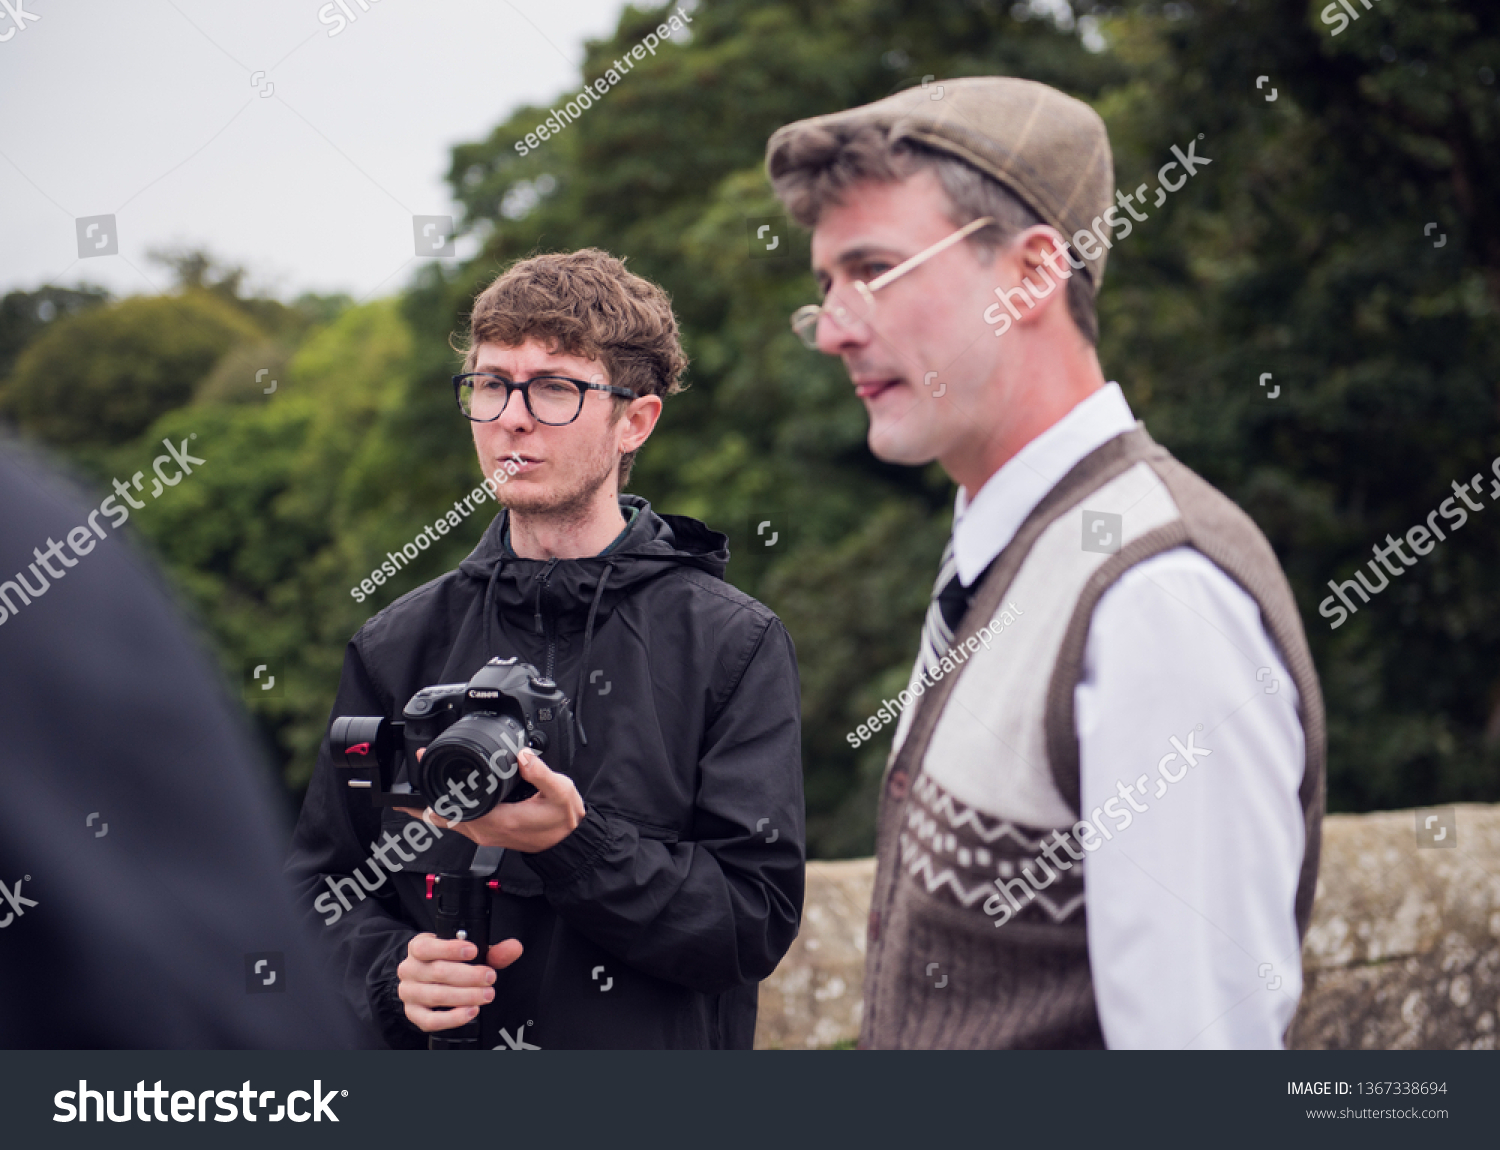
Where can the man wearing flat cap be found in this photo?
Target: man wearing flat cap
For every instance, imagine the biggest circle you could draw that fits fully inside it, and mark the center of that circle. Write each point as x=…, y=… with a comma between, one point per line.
x=1100, y=821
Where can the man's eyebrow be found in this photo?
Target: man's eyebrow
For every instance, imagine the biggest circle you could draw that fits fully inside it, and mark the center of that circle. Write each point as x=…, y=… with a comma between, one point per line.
x=546, y=373
x=858, y=255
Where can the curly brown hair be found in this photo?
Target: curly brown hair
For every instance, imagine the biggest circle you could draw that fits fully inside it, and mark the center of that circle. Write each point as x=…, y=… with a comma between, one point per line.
x=585, y=303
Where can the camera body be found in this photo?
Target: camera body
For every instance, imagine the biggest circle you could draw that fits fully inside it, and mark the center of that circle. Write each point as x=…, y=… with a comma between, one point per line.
x=470, y=735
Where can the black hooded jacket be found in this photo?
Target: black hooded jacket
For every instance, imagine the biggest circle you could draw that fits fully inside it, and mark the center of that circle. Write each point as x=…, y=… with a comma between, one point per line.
x=652, y=923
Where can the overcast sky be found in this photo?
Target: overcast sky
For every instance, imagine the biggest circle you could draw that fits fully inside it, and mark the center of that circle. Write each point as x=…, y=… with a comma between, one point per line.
x=309, y=176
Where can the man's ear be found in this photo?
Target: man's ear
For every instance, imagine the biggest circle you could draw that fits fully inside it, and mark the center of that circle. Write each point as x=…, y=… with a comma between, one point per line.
x=638, y=421
x=1038, y=259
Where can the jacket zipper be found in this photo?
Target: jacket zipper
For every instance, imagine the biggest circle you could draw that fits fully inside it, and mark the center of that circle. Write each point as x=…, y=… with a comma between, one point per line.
x=545, y=625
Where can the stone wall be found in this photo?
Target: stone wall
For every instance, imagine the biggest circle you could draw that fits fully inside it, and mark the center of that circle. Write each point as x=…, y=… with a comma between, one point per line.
x=1403, y=951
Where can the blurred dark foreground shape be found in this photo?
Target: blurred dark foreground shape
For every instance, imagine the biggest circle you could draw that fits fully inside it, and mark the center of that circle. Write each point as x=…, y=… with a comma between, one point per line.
x=140, y=850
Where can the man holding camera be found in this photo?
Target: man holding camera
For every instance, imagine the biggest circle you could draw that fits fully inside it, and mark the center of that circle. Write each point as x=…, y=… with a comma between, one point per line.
x=647, y=886
x=1102, y=829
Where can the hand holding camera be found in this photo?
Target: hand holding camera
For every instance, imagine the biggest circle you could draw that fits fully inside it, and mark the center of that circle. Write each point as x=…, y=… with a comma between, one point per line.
x=463, y=745
x=531, y=825
x=442, y=986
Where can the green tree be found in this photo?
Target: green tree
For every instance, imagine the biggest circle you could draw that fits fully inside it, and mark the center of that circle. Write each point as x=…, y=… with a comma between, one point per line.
x=101, y=377
x=1343, y=241
x=23, y=315
x=285, y=515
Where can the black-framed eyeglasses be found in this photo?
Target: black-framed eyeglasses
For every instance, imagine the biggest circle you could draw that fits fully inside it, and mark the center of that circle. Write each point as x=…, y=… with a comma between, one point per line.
x=554, y=400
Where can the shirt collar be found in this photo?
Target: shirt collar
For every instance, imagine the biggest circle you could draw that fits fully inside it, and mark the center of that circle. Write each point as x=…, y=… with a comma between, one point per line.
x=629, y=510
x=983, y=526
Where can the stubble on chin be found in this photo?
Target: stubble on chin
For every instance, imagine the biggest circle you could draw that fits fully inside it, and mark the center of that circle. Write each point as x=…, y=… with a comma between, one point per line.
x=565, y=509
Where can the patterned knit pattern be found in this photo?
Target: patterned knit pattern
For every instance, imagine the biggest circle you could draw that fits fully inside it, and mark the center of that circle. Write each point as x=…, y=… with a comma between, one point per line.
x=955, y=853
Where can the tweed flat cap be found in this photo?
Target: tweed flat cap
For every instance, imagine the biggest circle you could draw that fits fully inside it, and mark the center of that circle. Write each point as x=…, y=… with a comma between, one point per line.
x=1051, y=150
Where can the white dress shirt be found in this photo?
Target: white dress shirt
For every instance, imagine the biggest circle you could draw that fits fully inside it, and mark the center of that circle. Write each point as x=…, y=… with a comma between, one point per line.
x=1191, y=930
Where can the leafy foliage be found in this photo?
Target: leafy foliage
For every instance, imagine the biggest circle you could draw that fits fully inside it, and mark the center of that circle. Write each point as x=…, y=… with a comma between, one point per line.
x=23, y=315
x=103, y=376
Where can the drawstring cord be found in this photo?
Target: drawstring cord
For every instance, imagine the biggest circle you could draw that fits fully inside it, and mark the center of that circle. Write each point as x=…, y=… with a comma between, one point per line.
x=489, y=606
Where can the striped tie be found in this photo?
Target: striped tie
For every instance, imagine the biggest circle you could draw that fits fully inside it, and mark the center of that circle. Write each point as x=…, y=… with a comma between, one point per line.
x=950, y=599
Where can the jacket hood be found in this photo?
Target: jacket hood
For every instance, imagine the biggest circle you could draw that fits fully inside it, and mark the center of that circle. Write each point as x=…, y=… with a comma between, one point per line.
x=653, y=546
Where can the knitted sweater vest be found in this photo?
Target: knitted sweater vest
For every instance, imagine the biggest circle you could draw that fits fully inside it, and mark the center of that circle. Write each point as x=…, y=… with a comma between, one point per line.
x=986, y=765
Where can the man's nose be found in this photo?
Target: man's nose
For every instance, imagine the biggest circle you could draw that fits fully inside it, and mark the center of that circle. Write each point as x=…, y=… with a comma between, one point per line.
x=847, y=333
x=515, y=413
x=836, y=338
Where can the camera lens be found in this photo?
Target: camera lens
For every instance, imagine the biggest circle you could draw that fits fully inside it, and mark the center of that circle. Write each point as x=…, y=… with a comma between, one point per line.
x=474, y=762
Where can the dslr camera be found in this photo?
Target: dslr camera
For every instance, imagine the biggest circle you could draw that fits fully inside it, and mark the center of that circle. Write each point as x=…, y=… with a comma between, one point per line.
x=470, y=735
